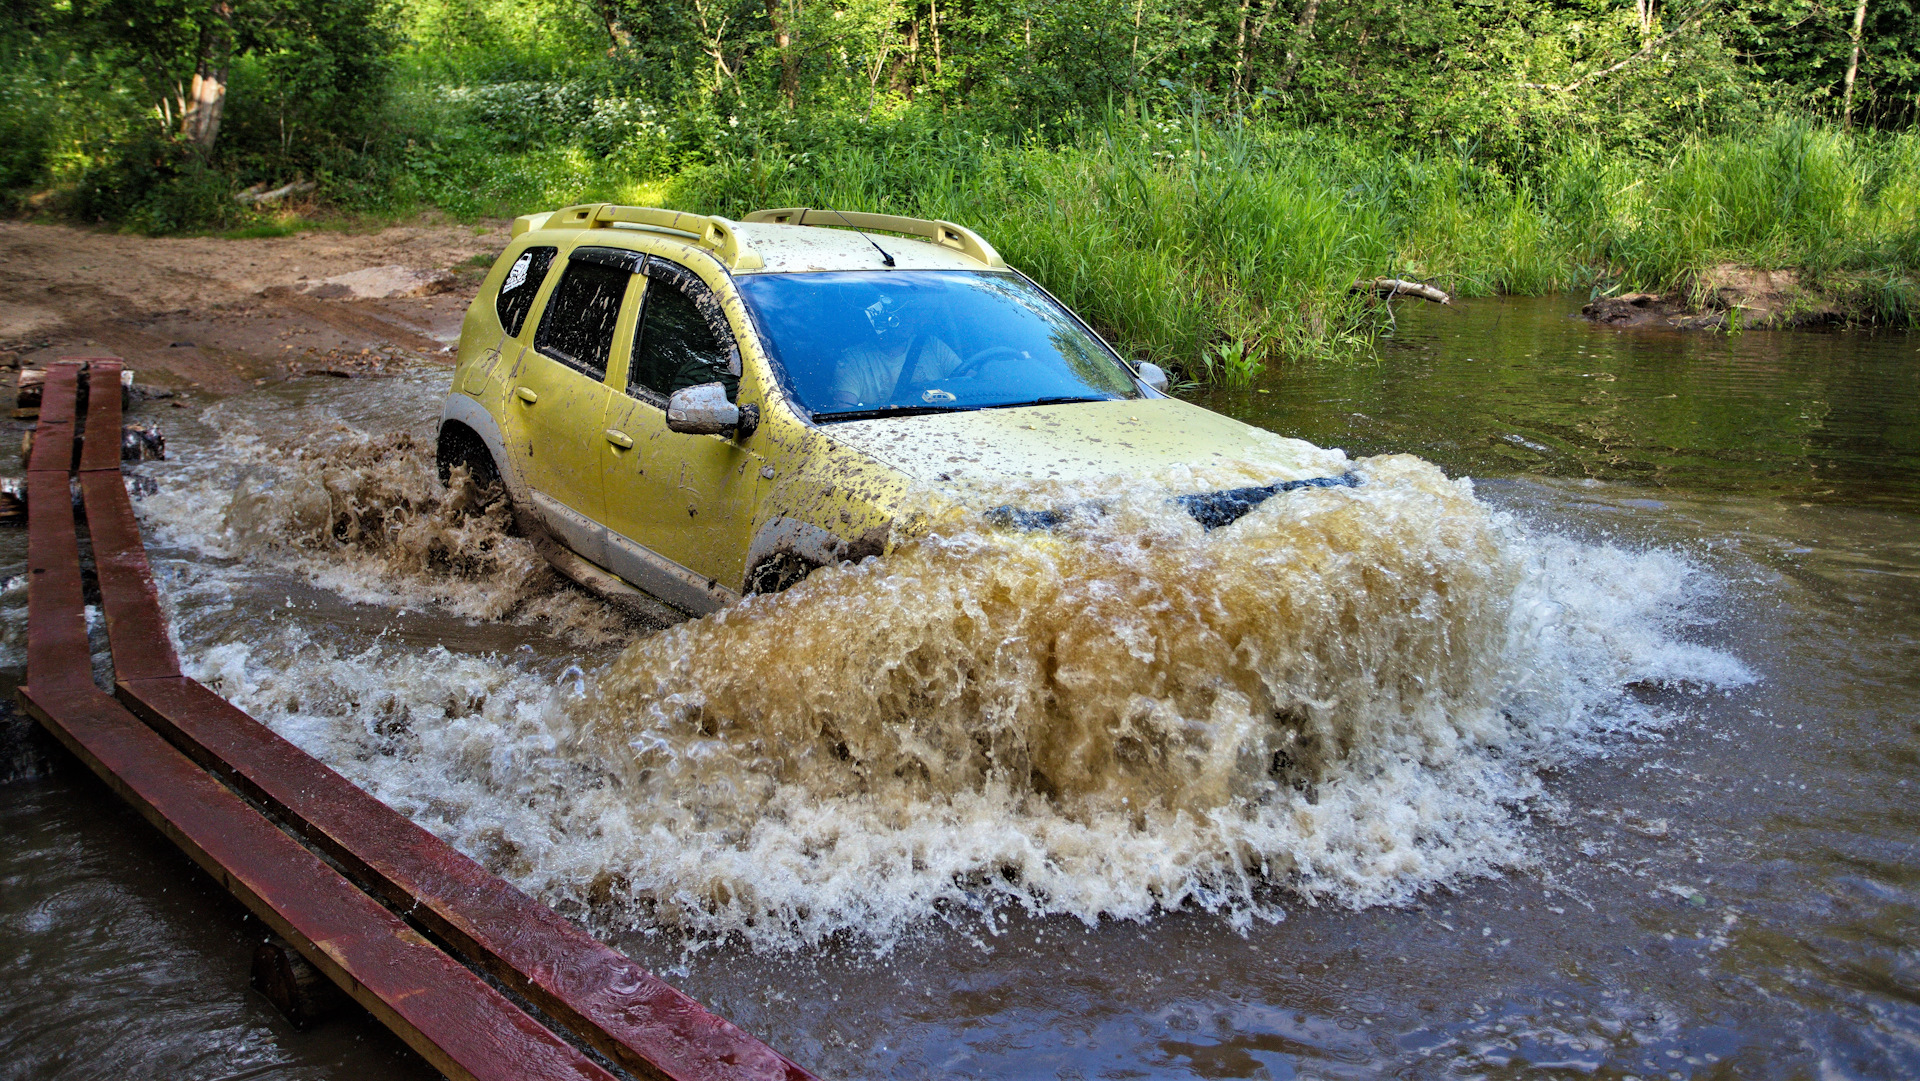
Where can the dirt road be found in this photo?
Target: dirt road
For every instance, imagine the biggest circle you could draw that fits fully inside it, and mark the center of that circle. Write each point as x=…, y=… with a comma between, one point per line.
x=214, y=315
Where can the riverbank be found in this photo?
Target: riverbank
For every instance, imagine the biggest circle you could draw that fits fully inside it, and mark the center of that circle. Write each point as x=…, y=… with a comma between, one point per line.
x=1218, y=251
x=213, y=315
x=1215, y=250
x=1733, y=298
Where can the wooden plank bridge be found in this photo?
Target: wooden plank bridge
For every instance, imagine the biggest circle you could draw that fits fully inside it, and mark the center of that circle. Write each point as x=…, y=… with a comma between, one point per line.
x=422, y=936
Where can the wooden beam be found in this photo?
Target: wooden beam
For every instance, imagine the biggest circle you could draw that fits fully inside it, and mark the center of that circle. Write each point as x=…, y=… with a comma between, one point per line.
x=607, y=1000
x=460, y=1023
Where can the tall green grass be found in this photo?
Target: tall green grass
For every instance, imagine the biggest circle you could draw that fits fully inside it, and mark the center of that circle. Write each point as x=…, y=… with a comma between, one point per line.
x=1211, y=249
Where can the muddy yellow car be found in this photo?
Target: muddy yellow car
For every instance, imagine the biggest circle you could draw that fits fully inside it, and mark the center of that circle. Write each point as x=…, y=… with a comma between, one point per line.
x=695, y=408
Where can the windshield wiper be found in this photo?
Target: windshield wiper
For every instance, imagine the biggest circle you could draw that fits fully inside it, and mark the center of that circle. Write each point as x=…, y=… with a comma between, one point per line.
x=893, y=411
x=1063, y=399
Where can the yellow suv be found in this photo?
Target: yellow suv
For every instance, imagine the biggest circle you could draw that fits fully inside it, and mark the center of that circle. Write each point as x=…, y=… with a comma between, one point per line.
x=701, y=408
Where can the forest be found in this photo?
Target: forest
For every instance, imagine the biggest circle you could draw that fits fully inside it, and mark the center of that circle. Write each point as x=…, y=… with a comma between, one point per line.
x=1204, y=177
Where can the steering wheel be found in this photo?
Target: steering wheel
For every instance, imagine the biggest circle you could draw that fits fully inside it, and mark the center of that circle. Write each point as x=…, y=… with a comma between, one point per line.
x=973, y=363
x=967, y=366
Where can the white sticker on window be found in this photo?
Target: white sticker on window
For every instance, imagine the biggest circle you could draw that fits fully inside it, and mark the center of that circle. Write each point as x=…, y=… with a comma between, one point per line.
x=517, y=277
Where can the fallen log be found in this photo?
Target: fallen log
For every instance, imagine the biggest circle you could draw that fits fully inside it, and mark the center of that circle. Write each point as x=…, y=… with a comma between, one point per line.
x=253, y=197
x=1393, y=287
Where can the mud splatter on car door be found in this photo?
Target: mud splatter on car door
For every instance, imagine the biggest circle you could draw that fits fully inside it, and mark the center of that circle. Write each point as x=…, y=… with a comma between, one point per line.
x=558, y=403
x=689, y=498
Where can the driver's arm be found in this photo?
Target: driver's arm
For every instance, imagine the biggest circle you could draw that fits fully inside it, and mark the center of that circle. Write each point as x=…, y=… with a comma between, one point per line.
x=864, y=377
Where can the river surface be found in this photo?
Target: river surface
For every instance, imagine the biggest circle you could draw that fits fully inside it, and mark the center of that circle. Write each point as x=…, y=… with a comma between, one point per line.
x=1645, y=808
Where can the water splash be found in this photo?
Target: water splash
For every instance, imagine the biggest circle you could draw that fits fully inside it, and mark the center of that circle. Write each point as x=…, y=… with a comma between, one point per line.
x=1345, y=697
x=364, y=515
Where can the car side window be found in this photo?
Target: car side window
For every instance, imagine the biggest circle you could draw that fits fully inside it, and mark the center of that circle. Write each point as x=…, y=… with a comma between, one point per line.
x=682, y=340
x=577, y=328
x=522, y=283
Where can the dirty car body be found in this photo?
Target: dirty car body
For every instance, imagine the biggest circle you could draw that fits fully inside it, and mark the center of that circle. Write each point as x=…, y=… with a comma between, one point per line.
x=695, y=409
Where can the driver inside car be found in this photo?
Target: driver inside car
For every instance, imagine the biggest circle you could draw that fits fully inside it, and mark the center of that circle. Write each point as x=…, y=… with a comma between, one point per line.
x=869, y=368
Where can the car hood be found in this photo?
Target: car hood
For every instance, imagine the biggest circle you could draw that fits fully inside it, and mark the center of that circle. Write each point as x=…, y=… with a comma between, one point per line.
x=1088, y=441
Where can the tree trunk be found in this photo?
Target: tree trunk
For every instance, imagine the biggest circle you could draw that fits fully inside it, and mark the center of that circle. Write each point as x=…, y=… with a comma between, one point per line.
x=207, y=99
x=1240, y=49
x=617, y=32
x=933, y=22
x=1853, y=65
x=912, y=78
x=1302, y=33
x=789, y=63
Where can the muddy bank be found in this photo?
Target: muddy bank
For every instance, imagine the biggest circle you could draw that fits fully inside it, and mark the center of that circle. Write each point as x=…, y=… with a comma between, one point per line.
x=211, y=314
x=1725, y=297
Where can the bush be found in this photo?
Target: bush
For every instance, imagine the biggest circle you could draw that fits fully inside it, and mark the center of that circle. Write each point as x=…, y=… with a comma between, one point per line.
x=26, y=134
x=153, y=184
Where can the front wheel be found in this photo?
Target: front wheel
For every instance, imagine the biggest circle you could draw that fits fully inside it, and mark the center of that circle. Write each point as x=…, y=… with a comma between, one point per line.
x=460, y=446
x=779, y=572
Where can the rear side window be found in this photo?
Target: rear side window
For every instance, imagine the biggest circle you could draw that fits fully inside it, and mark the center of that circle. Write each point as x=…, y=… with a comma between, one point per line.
x=682, y=340
x=522, y=283
x=577, y=329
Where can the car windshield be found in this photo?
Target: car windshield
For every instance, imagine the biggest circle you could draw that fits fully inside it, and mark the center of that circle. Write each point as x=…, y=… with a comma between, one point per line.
x=862, y=344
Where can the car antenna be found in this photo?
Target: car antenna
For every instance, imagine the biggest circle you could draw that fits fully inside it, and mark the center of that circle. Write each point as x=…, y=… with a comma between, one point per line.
x=884, y=257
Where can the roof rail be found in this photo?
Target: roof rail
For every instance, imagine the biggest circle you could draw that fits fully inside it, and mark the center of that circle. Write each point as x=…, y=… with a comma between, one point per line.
x=944, y=233
x=712, y=233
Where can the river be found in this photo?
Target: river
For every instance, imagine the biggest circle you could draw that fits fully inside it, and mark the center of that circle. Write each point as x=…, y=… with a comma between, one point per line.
x=1660, y=823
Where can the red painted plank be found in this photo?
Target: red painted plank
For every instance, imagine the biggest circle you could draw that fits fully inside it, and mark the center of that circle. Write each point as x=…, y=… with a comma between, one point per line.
x=53, y=435
x=100, y=449
x=136, y=628
x=57, y=653
x=448, y=1013
x=615, y=1005
x=451, y=1015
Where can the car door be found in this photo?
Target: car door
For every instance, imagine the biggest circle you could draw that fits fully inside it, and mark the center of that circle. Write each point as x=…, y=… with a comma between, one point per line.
x=558, y=397
x=679, y=507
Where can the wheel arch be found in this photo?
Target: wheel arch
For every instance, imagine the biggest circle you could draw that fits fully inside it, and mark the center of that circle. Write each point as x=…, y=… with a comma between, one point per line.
x=786, y=550
x=463, y=418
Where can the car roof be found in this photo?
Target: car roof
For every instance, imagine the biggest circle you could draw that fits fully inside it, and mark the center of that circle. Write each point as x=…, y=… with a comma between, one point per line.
x=793, y=240
x=800, y=249
x=803, y=249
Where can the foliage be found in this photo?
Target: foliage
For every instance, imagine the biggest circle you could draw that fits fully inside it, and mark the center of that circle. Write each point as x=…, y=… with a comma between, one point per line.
x=1805, y=46
x=1211, y=249
x=102, y=90
x=1205, y=178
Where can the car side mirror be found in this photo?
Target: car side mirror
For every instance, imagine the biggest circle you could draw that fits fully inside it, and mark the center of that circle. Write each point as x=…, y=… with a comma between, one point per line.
x=705, y=410
x=1154, y=376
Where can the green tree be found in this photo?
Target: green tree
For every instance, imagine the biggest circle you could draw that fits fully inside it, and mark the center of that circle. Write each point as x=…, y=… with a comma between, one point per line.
x=183, y=53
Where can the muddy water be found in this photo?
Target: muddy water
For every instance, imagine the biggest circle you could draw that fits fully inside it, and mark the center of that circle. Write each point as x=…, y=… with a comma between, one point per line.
x=1601, y=764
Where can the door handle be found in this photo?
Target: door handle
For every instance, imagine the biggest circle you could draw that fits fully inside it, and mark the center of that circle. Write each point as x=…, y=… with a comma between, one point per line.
x=619, y=438
x=526, y=394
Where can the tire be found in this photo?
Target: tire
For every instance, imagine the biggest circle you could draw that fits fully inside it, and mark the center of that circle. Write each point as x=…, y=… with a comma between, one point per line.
x=778, y=573
x=459, y=445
